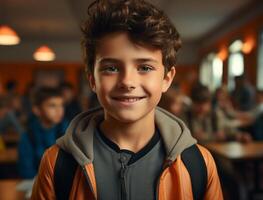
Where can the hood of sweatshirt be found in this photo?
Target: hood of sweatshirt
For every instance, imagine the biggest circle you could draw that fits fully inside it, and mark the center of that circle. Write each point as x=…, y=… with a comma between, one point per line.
x=78, y=139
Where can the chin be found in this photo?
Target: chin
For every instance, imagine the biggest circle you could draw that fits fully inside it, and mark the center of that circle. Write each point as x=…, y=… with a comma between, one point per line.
x=128, y=117
x=55, y=122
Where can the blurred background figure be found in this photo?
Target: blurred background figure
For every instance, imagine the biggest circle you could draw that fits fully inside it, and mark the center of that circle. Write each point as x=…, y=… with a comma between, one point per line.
x=243, y=94
x=8, y=119
x=44, y=126
x=229, y=118
x=201, y=118
x=175, y=101
x=218, y=122
x=72, y=105
x=257, y=127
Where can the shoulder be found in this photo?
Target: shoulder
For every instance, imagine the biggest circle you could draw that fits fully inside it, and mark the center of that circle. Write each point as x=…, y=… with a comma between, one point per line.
x=213, y=188
x=208, y=158
x=51, y=154
x=44, y=184
x=212, y=174
x=48, y=161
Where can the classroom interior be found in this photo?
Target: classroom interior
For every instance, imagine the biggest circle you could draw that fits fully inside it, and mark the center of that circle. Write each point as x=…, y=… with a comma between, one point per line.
x=221, y=57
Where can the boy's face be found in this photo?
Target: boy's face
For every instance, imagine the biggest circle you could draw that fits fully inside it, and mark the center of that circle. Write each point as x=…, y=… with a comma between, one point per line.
x=128, y=79
x=51, y=111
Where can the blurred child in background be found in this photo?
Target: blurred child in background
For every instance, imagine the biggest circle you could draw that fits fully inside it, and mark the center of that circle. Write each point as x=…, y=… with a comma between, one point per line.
x=43, y=128
x=257, y=127
x=8, y=119
x=175, y=101
x=218, y=123
x=72, y=105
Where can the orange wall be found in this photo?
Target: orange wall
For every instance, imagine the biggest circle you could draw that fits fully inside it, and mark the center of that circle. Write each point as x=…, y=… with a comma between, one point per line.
x=251, y=30
x=23, y=73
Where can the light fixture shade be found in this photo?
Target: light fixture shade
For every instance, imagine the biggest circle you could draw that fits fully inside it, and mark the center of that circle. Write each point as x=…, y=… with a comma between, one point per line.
x=44, y=53
x=8, y=36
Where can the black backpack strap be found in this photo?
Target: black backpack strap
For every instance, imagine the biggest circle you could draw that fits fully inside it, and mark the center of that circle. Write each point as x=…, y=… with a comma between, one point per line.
x=64, y=173
x=196, y=167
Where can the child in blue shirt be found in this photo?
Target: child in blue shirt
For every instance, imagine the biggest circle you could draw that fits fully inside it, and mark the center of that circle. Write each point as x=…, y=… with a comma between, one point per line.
x=44, y=126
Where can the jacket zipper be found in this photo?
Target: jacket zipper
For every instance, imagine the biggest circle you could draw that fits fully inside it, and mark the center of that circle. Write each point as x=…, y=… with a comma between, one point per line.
x=122, y=177
x=89, y=182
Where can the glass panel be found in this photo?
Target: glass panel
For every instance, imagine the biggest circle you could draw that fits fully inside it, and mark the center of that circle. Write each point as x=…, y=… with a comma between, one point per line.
x=211, y=72
x=235, y=68
x=217, y=72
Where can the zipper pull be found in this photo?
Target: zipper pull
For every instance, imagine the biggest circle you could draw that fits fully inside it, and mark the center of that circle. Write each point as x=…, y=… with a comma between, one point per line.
x=122, y=177
x=123, y=169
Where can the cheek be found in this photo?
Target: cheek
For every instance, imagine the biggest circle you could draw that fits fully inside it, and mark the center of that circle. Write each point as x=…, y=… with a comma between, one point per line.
x=51, y=112
x=60, y=112
x=155, y=86
x=104, y=85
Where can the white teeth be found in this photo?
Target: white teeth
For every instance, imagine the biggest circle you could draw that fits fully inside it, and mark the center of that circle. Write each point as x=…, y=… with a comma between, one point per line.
x=129, y=99
x=124, y=99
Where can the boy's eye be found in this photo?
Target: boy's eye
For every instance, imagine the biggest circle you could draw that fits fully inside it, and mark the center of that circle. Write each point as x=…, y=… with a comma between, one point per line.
x=110, y=69
x=145, y=68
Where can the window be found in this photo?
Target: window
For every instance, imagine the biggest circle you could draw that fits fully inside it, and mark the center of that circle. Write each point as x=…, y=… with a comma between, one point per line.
x=260, y=63
x=205, y=72
x=235, y=63
x=211, y=72
x=217, y=72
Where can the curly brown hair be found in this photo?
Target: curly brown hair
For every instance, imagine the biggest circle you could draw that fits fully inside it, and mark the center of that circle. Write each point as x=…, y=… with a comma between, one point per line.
x=145, y=25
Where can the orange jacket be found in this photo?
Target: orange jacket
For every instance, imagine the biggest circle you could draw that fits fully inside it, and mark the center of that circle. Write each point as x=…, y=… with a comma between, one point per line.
x=174, y=182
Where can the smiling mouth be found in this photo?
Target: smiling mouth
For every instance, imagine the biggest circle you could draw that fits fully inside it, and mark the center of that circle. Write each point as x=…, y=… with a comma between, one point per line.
x=128, y=99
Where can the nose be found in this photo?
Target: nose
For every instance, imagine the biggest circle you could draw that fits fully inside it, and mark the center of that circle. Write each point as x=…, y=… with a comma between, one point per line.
x=127, y=80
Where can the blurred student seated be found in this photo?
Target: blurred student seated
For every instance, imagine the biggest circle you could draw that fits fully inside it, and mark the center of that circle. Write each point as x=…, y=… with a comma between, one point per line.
x=232, y=120
x=257, y=127
x=175, y=101
x=211, y=124
x=43, y=128
x=8, y=119
x=72, y=105
x=244, y=94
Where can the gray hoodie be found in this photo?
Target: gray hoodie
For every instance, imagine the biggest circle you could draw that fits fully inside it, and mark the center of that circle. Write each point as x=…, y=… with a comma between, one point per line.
x=78, y=139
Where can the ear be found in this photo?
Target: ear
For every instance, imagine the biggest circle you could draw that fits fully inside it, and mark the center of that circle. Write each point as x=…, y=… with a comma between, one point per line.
x=92, y=84
x=168, y=79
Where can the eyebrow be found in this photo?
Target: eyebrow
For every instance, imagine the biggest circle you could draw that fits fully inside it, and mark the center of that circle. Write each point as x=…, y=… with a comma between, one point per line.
x=138, y=60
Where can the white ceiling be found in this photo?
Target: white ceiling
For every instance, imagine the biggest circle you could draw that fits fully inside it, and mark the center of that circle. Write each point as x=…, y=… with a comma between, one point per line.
x=60, y=19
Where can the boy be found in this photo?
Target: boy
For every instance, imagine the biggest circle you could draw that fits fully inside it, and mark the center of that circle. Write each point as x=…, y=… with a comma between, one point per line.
x=129, y=149
x=201, y=119
x=43, y=128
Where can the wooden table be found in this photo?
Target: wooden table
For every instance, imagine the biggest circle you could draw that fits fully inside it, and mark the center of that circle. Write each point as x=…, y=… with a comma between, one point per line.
x=9, y=155
x=11, y=139
x=239, y=154
x=236, y=151
x=8, y=163
x=8, y=190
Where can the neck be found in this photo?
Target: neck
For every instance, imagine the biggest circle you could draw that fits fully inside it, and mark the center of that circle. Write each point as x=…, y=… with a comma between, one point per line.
x=131, y=136
x=46, y=124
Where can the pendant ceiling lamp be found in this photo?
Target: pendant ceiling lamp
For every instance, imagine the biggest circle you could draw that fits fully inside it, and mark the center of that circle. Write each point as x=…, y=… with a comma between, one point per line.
x=8, y=36
x=44, y=53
